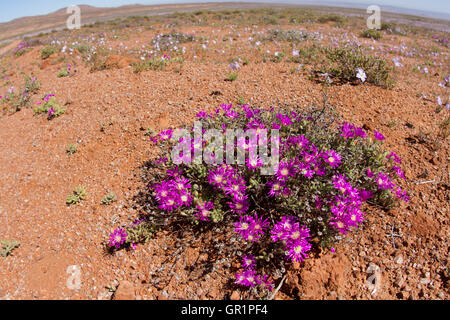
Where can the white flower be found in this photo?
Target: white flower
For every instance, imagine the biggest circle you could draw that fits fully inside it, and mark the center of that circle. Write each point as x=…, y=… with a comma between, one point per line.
x=295, y=53
x=361, y=75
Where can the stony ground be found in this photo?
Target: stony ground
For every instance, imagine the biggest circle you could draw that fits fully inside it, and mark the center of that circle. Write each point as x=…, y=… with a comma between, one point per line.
x=109, y=111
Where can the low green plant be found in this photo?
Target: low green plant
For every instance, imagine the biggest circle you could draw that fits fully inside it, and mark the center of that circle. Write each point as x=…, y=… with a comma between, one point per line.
x=7, y=246
x=78, y=194
x=232, y=77
x=63, y=72
x=50, y=106
x=152, y=64
x=48, y=51
x=109, y=198
x=71, y=148
x=371, y=34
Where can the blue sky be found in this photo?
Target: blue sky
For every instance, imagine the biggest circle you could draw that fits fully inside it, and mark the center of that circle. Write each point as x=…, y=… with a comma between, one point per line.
x=14, y=9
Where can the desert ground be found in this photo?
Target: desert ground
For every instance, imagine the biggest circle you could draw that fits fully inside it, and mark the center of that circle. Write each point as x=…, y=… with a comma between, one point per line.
x=116, y=82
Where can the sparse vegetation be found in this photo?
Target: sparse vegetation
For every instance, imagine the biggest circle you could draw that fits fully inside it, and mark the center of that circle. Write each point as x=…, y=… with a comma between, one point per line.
x=78, y=194
x=7, y=247
x=371, y=34
x=109, y=198
x=48, y=51
x=345, y=62
x=71, y=148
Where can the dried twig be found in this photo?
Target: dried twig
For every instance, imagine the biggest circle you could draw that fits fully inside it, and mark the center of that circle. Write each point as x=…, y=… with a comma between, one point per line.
x=278, y=288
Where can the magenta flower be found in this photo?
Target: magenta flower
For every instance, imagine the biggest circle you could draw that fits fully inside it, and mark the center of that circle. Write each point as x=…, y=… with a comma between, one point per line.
x=239, y=206
x=285, y=170
x=180, y=184
x=297, y=250
x=204, y=211
x=51, y=112
x=251, y=228
x=275, y=188
x=394, y=157
x=265, y=282
x=332, y=158
x=246, y=278
x=248, y=262
x=218, y=177
x=235, y=187
x=165, y=134
x=169, y=203
x=254, y=162
x=202, y=115
x=117, y=238
x=378, y=136
x=383, y=181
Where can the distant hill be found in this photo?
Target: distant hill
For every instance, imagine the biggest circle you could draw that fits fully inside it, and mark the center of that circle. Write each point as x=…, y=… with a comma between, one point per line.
x=89, y=14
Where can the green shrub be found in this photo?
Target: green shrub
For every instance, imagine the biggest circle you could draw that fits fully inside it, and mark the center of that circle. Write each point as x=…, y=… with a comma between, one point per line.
x=48, y=51
x=346, y=61
x=331, y=17
x=287, y=35
x=327, y=173
x=371, y=34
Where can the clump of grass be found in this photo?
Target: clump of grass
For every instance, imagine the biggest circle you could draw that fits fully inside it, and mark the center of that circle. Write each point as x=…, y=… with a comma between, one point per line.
x=71, y=148
x=307, y=55
x=48, y=51
x=78, y=194
x=331, y=18
x=17, y=101
x=149, y=132
x=7, y=246
x=63, y=72
x=98, y=62
x=32, y=84
x=345, y=61
x=287, y=35
x=232, y=77
x=109, y=198
x=152, y=64
x=166, y=41
x=445, y=128
x=371, y=34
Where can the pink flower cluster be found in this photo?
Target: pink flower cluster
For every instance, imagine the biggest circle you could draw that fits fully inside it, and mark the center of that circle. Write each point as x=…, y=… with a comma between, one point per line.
x=226, y=179
x=294, y=237
x=248, y=277
x=174, y=193
x=251, y=228
x=345, y=209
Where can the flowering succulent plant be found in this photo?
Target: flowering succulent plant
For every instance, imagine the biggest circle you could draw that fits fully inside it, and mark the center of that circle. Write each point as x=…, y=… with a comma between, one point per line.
x=328, y=173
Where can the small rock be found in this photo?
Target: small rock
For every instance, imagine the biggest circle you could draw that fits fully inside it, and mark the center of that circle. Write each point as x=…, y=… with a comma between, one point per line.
x=425, y=280
x=235, y=296
x=398, y=259
x=125, y=291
